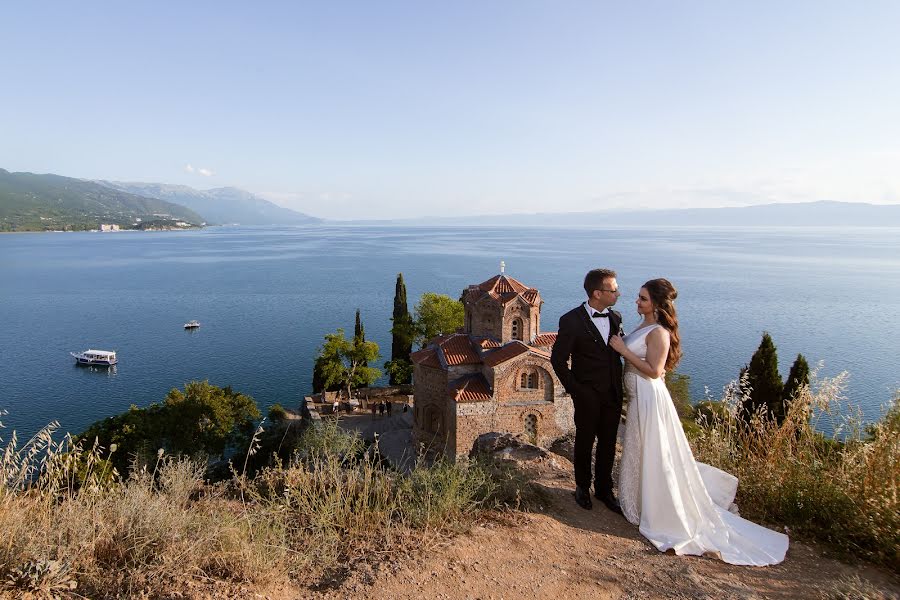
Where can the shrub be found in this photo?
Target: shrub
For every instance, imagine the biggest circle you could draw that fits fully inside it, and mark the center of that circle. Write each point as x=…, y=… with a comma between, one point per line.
x=842, y=490
x=277, y=413
x=202, y=420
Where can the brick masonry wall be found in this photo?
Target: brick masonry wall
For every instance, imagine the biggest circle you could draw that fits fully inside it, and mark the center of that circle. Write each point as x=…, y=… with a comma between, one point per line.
x=485, y=317
x=475, y=418
x=550, y=405
x=430, y=401
x=528, y=314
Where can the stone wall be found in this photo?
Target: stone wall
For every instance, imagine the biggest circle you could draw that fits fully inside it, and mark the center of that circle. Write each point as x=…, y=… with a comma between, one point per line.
x=476, y=418
x=431, y=415
x=529, y=316
x=387, y=390
x=549, y=404
x=484, y=318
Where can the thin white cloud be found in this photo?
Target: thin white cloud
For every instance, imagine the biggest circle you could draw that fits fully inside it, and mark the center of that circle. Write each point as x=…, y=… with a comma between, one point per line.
x=189, y=168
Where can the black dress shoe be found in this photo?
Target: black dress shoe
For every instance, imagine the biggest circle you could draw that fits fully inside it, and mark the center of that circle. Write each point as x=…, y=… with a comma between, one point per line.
x=583, y=498
x=610, y=501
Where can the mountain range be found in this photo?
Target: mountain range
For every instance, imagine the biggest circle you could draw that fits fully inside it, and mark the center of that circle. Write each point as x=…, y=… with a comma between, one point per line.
x=34, y=202
x=41, y=202
x=219, y=206
x=801, y=214
x=31, y=202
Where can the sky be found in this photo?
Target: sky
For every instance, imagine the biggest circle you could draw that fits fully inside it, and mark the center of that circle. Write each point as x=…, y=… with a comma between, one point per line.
x=390, y=109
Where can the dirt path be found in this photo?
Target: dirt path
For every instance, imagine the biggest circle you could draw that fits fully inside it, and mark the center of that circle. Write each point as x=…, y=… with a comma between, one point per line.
x=566, y=552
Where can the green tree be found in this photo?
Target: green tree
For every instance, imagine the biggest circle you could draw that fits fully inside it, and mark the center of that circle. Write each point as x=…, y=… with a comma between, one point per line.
x=403, y=333
x=798, y=378
x=203, y=420
x=343, y=361
x=399, y=370
x=437, y=314
x=765, y=385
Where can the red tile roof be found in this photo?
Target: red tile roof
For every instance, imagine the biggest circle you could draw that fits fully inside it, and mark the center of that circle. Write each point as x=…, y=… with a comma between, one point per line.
x=473, y=388
x=458, y=350
x=487, y=343
x=439, y=339
x=427, y=357
x=507, y=352
x=502, y=284
x=544, y=339
x=503, y=289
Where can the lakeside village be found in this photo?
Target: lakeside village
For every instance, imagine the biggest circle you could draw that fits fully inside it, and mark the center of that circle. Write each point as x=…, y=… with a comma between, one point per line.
x=160, y=222
x=201, y=496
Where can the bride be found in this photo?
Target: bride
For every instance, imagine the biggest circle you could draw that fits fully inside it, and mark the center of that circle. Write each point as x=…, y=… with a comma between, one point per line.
x=677, y=502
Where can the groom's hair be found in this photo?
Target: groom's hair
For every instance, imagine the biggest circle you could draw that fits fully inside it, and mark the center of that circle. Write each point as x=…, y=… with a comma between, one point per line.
x=595, y=277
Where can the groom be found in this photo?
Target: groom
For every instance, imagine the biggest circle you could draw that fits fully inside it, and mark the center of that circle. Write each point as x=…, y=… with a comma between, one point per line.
x=594, y=381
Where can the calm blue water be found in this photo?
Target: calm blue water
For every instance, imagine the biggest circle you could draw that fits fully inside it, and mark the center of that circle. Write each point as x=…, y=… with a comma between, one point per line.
x=266, y=297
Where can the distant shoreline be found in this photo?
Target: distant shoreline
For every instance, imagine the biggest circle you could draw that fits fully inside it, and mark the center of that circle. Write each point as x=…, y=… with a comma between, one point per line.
x=98, y=231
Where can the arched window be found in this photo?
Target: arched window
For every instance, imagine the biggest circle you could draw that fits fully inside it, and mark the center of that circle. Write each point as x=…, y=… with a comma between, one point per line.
x=517, y=329
x=528, y=380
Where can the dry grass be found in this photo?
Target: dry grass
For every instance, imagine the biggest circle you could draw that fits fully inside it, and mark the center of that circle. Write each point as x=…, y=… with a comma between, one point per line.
x=70, y=521
x=842, y=490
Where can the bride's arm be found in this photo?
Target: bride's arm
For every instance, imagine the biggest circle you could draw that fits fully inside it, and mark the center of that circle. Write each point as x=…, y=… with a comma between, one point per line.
x=657, y=350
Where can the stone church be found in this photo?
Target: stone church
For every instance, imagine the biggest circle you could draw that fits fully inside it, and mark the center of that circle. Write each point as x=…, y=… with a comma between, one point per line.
x=493, y=375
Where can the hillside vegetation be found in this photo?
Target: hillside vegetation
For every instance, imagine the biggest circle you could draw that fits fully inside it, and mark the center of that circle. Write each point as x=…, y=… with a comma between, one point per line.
x=32, y=202
x=219, y=206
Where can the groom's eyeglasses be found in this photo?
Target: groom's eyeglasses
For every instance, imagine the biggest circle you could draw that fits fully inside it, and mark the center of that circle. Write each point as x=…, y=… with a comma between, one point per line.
x=615, y=291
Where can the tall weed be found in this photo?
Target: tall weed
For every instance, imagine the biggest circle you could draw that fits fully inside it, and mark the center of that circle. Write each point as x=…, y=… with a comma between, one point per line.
x=73, y=527
x=841, y=489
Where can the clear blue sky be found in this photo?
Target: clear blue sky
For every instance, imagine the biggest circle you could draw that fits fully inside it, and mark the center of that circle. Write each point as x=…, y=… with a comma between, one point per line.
x=385, y=109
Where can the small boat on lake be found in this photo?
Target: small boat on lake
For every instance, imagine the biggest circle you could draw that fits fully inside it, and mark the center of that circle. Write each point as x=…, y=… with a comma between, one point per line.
x=192, y=325
x=97, y=358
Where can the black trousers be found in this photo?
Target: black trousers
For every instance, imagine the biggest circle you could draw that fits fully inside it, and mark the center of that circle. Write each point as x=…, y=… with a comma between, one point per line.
x=597, y=414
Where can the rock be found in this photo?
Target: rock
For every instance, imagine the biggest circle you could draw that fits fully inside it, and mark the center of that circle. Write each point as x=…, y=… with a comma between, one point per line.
x=507, y=447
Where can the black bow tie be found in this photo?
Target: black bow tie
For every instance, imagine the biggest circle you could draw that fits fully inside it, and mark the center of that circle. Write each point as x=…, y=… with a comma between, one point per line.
x=600, y=315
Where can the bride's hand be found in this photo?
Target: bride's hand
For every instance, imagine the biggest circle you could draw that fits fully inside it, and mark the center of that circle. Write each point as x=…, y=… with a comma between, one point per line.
x=616, y=343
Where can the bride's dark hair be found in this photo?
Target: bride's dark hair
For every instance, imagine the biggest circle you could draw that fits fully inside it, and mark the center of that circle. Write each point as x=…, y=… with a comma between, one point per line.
x=662, y=294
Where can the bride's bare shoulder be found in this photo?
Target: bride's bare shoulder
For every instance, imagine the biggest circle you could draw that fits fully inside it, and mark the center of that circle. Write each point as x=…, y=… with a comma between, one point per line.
x=659, y=333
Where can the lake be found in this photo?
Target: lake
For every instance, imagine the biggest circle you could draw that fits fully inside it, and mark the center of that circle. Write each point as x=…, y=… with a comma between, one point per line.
x=266, y=296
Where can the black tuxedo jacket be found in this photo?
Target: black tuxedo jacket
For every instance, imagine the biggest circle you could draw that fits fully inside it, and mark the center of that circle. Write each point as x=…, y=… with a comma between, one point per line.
x=596, y=368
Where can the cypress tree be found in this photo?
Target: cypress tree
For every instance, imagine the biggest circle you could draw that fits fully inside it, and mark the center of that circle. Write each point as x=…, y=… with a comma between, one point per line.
x=766, y=388
x=402, y=335
x=797, y=379
x=359, y=333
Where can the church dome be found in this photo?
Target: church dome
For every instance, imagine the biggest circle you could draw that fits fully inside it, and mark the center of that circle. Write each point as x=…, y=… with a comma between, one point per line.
x=503, y=289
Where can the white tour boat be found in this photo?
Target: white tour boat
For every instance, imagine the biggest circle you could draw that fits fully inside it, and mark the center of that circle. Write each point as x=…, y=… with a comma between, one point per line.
x=192, y=325
x=98, y=358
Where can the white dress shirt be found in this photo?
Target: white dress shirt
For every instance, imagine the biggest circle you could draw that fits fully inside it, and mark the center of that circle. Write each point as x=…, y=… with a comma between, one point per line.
x=601, y=323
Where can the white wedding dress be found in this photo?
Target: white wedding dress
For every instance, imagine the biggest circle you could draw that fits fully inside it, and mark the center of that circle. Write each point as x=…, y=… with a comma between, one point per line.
x=677, y=502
